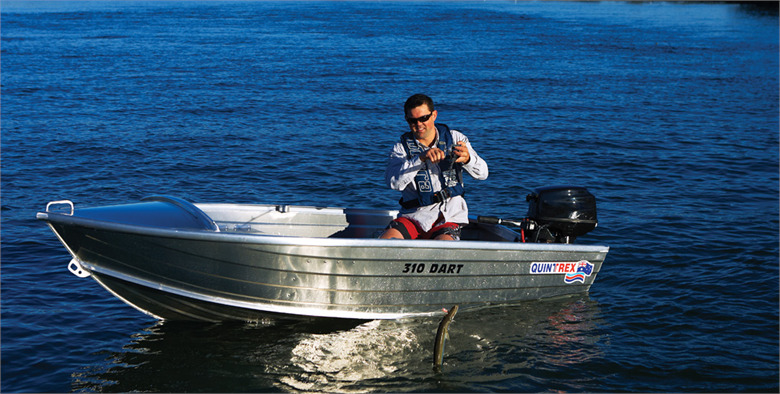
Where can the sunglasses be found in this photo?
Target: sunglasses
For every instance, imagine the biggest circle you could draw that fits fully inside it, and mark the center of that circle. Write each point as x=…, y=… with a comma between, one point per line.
x=421, y=119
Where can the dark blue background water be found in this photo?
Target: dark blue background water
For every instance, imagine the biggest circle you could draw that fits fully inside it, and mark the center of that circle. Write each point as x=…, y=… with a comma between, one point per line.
x=667, y=112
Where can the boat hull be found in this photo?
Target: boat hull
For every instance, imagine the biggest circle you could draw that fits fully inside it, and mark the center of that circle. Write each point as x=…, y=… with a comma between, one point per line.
x=201, y=274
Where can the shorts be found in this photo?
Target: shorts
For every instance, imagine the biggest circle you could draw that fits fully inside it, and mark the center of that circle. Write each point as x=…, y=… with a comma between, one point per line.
x=411, y=230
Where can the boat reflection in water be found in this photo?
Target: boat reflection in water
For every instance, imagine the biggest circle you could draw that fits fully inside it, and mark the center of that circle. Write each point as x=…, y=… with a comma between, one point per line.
x=497, y=345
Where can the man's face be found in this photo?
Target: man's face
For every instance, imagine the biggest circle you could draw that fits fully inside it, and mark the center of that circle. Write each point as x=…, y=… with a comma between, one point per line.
x=421, y=123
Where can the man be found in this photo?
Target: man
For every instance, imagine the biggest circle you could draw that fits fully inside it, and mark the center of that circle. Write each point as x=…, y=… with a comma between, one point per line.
x=427, y=165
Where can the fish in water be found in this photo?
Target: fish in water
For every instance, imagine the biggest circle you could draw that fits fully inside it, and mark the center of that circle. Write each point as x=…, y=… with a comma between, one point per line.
x=441, y=336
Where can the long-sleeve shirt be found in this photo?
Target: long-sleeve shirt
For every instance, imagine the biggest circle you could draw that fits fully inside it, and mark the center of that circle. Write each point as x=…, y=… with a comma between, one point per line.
x=400, y=173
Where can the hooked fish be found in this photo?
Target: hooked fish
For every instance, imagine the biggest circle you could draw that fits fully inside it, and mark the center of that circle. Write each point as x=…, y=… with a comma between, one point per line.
x=441, y=336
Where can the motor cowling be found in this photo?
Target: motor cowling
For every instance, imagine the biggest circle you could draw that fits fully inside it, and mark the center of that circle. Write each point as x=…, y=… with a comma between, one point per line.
x=562, y=213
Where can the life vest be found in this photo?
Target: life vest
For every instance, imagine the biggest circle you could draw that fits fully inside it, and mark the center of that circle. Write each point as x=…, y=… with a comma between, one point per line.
x=450, y=176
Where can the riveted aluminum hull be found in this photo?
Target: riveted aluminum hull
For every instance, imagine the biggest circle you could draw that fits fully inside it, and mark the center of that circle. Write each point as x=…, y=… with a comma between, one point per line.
x=246, y=272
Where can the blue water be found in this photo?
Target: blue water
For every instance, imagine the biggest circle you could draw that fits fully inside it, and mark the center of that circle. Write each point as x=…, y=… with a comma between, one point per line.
x=667, y=112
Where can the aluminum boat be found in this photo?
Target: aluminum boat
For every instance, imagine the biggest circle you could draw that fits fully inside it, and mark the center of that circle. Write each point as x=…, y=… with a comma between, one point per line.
x=176, y=260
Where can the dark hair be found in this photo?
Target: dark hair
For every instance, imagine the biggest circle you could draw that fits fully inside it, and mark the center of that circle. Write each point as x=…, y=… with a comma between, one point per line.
x=417, y=100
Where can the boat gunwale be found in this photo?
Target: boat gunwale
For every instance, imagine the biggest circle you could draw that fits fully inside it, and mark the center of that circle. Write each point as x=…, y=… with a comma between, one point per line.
x=286, y=240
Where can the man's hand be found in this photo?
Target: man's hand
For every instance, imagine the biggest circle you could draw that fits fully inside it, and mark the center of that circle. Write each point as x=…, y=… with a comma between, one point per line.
x=461, y=152
x=434, y=155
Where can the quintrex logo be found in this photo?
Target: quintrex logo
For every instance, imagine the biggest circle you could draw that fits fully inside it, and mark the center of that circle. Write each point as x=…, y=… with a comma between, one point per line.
x=574, y=272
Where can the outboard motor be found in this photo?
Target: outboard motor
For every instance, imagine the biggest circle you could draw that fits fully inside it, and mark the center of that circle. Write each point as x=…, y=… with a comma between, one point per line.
x=560, y=214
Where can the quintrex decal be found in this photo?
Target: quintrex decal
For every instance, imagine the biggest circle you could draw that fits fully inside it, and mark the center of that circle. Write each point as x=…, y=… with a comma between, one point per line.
x=574, y=272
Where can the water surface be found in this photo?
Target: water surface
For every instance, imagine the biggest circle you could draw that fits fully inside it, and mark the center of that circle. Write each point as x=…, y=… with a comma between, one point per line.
x=668, y=113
